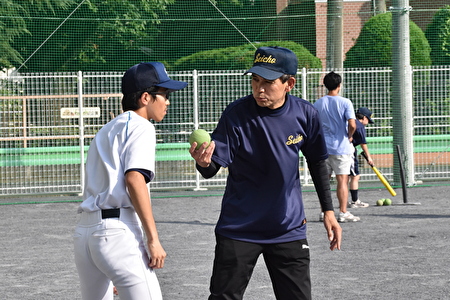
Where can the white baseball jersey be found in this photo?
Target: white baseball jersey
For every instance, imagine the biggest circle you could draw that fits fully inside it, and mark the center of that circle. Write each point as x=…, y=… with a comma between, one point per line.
x=126, y=142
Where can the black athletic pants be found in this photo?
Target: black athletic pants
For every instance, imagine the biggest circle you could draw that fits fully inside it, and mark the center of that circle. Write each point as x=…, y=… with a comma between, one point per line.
x=287, y=263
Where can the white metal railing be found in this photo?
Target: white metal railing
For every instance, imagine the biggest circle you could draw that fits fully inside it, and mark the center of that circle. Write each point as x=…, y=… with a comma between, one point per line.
x=41, y=152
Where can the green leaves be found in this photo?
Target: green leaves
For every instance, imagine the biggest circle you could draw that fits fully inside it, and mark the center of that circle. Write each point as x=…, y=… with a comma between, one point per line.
x=438, y=35
x=373, y=48
x=97, y=35
x=241, y=57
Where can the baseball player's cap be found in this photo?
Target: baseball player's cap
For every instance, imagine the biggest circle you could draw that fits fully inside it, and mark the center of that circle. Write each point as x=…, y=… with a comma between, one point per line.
x=145, y=75
x=365, y=112
x=273, y=62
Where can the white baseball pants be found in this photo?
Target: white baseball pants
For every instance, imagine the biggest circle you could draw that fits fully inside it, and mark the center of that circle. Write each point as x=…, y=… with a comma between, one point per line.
x=111, y=252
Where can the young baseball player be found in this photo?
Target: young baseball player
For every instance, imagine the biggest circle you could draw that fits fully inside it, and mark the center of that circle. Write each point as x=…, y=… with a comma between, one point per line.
x=110, y=249
x=363, y=117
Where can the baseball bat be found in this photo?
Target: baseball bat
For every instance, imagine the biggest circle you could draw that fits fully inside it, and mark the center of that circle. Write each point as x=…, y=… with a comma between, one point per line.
x=381, y=177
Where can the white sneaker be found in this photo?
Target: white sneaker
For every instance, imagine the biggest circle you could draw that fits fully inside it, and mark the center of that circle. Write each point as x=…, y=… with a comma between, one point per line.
x=321, y=217
x=358, y=204
x=347, y=217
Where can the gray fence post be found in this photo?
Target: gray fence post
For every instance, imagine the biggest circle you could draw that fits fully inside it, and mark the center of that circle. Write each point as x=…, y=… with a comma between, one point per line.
x=402, y=107
x=81, y=129
x=196, y=121
x=304, y=96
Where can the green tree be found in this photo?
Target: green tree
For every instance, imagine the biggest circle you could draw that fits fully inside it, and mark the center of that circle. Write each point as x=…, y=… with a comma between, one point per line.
x=99, y=35
x=241, y=57
x=373, y=48
x=184, y=30
x=87, y=35
x=12, y=25
x=438, y=35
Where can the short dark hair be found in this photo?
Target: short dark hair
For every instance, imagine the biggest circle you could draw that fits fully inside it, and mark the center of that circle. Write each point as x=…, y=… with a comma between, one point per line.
x=285, y=77
x=332, y=81
x=360, y=116
x=131, y=101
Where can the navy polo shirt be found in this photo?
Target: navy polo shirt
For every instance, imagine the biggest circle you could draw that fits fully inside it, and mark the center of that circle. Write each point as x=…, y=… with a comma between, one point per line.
x=260, y=147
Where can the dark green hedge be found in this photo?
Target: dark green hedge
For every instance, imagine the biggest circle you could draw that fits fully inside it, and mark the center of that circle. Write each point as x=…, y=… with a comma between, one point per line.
x=373, y=48
x=240, y=57
x=438, y=35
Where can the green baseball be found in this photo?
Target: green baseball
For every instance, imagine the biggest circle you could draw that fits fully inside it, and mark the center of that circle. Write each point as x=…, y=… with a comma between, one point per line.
x=199, y=136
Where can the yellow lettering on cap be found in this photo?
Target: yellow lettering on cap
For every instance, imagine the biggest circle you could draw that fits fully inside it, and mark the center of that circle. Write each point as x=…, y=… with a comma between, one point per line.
x=265, y=59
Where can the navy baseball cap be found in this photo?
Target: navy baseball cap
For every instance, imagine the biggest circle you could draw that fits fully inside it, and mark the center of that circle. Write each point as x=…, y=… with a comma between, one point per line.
x=145, y=75
x=365, y=112
x=273, y=62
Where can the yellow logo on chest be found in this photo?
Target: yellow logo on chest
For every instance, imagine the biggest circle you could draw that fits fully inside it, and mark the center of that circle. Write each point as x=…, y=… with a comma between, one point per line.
x=294, y=140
